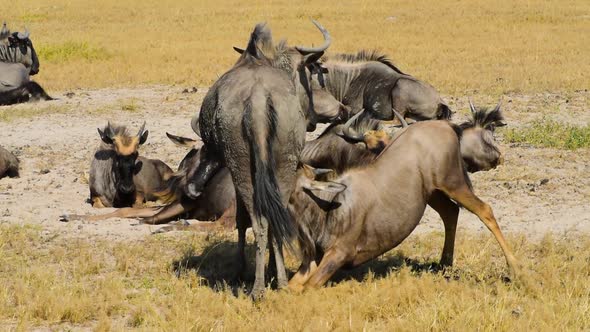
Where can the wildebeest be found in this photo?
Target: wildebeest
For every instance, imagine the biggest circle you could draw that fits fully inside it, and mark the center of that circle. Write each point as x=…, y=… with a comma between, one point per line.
x=119, y=177
x=369, y=210
x=368, y=80
x=253, y=121
x=18, y=61
x=8, y=164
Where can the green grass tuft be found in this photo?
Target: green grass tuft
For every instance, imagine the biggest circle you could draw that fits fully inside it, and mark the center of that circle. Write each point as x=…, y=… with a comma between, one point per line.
x=550, y=133
x=71, y=50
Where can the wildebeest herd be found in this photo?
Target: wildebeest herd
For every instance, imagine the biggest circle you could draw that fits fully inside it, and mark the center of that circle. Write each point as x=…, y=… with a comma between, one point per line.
x=348, y=196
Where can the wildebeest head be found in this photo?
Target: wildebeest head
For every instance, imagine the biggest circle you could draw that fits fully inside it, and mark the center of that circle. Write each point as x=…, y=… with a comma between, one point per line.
x=300, y=63
x=419, y=100
x=478, y=146
x=125, y=161
x=26, y=52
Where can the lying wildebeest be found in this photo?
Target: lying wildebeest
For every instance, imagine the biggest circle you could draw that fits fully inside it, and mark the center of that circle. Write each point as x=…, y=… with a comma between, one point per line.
x=18, y=61
x=119, y=177
x=351, y=220
x=253, y=121
x=8, y=164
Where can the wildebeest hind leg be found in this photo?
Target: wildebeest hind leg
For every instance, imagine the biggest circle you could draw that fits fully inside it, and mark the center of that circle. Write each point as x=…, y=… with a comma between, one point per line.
x=449, y=212
x=242, y=223
x=260, y=228
x=464, y=196
x=303, y=274
x=279, y=262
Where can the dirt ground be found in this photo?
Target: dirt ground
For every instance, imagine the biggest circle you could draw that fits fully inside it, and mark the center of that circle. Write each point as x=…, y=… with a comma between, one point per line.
x=536, y=191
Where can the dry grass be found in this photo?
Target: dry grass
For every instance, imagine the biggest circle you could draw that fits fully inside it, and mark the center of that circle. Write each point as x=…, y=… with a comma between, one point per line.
x=461, y=47
x=49, y=281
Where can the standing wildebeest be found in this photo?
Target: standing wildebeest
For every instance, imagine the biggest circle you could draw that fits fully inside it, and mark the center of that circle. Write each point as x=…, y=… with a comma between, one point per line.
x=252, y=121
x=118, y=177
x=8, y=164
x=368, y=80
x=18, y=61
x=370, y=210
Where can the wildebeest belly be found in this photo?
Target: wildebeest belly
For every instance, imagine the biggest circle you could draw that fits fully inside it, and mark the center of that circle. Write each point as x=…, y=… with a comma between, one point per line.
x=12, y=75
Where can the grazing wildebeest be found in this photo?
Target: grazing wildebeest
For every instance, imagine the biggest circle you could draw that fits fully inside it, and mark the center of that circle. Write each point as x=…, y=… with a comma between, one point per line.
x=18, y=61
x=119, y=177
x=8, y=164
x=369, y=210
x=253, y=121
x=368, y=80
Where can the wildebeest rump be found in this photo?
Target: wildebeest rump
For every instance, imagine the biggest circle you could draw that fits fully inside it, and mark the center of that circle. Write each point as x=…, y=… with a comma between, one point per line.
x=18, y=61
x=359, y=219
x=119, y=177
x=253, y=121
x=8, y=164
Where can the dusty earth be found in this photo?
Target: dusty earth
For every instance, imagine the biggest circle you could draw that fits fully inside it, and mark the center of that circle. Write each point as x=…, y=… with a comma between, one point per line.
x=537, y=190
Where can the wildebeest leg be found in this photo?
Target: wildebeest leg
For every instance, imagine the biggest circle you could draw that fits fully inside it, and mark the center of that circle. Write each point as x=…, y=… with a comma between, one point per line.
x=449, y=213
x=464, y=196
x=260, y=228
x=118, y=213
x=333, y=260
x=139, y=199
x=166, y=213
x=279, y=262
x=242, y=223
x=98, y=202
x=305, y=270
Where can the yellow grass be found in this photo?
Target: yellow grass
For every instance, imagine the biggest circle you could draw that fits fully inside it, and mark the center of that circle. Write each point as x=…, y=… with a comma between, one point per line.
x=461, y=47
x=49, y=281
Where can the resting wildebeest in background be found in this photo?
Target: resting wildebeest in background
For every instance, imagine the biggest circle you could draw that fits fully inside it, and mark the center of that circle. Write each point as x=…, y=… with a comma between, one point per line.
x=370, y=81
x=253, y=121
x=350, y=220
x=18, y=61
x=119, y=177
x=216, y=203
x=8, y=164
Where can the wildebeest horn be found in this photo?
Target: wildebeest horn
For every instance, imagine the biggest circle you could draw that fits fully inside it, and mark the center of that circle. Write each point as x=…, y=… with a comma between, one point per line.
x=471, y=107
x=4, y=32
x=195, y=125
x=348, y=132
x=23, y=35
x=400, y=118
x=497, y=108
x=327, y=41
x=321, y=171
x=140, y=132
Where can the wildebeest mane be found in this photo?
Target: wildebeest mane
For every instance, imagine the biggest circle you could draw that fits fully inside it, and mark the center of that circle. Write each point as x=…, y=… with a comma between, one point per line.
x=483, y=118
x=367, y=56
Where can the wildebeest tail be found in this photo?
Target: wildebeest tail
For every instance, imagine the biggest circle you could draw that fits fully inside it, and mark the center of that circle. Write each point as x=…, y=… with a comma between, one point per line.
x=37, y=91
x=261, y=131
x=23, y=94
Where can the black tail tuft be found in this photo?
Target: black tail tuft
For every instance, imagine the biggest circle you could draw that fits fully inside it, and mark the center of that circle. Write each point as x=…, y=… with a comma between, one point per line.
x=267, y=195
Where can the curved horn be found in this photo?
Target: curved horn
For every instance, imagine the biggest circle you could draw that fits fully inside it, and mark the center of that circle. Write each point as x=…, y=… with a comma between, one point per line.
x=195, y=125
x=327, y=41
x=23, y=35
x=349, y=132
x=400, y=118
x=140, y=132
x=497, y=108
x=471, y=107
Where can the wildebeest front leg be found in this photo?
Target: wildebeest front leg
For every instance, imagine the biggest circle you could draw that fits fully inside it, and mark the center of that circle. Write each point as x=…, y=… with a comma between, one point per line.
x=98, y=202
x=449, y=213
x=260, y=228
x=165, y=214
x=333, y=260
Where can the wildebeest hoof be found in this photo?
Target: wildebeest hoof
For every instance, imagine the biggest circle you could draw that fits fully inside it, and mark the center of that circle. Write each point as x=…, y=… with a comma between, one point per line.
x=257, y=294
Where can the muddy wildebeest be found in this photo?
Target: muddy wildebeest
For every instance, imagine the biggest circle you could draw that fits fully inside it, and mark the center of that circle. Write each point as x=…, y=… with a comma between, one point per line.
x=368, y=80
x=18, y=61
x=370, y=210
x=118, y=176
x=253, y=121
x=8, y=164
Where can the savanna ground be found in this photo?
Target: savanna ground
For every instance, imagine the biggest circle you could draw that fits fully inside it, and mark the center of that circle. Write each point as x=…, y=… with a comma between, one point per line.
x=129, y=62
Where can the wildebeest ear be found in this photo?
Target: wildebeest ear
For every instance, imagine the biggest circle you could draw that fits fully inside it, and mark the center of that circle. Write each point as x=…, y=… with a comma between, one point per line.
x=143, y=137
x=332, y=187
x=239, y=50
x=137, y=167
x=104, y=137
x=312, y=57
